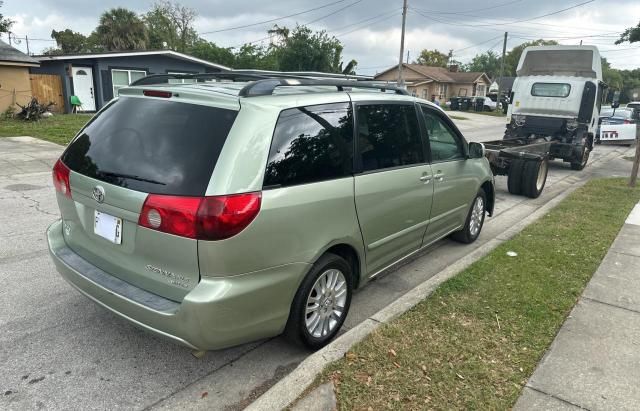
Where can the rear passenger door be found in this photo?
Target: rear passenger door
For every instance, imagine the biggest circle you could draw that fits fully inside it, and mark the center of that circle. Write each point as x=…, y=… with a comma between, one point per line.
x=393, y=186
x=453, y=177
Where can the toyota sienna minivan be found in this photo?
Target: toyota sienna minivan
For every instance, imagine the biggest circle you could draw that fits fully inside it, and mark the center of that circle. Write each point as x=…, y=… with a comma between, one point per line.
x=216, y=213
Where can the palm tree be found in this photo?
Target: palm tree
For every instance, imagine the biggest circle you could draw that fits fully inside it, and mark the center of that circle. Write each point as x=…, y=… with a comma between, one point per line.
x=121, y=29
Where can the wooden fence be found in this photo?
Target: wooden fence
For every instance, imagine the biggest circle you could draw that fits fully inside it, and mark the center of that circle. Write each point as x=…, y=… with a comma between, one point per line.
x=48, y=88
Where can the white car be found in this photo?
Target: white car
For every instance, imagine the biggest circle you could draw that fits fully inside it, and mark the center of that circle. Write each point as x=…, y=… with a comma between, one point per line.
x=617, y=127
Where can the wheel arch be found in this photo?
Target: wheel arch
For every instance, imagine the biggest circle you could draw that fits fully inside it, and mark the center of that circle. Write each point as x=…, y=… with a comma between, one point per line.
x=351, y=255
x=490, y=192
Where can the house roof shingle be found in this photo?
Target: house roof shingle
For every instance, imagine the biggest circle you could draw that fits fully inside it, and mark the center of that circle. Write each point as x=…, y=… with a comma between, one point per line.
x=10, y=54
x=441, y=74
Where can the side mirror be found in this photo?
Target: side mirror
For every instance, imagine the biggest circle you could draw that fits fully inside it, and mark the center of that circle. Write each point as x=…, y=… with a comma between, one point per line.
x=615, y=103
x=476, y=150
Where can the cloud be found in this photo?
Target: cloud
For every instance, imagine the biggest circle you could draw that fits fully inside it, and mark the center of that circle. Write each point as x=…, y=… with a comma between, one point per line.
x=439, y=24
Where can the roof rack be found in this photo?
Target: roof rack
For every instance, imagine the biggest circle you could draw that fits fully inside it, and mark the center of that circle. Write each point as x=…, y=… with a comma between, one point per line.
x=164, y=78
x=265, y=87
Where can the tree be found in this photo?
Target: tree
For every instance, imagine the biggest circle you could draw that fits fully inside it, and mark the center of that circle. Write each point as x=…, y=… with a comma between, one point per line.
x=488, y=63
x=302, y=49
x=432, y=58
x=170, y=25
x=632, y=35
x=121, y=29
x=513, y=57
x=69, y=41
x=350, y=67
x=209, y=51
x=256, y=57
x=5, y=23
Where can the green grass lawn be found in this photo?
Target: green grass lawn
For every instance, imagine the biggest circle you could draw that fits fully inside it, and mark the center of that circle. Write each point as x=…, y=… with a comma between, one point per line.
x=60, y=128
x=476, y=340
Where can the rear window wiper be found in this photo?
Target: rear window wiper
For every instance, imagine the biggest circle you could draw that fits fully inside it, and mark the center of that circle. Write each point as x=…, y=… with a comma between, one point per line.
x=131, y=177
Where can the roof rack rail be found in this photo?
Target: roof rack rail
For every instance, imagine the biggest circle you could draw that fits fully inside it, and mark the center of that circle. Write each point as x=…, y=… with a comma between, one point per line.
x=265, y=87
x=164, y=78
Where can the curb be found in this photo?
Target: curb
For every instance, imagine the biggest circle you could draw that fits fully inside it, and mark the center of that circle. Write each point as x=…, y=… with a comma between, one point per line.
x=288, y=389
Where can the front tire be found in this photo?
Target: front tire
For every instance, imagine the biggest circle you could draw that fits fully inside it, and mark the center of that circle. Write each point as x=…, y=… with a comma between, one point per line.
x=475, y=220
x=578, y=166
x=322, y=302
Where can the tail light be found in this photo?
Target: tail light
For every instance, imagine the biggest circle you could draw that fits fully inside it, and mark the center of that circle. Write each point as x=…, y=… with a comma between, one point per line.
x=61, y=178
x=202, y=218
x=627, y=122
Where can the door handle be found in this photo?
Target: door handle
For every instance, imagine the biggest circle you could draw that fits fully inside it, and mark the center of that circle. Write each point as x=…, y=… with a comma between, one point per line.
x=425, y=178
x=439, y=176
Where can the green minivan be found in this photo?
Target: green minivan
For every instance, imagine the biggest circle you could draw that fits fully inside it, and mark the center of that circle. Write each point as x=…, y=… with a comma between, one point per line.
x=220, y=212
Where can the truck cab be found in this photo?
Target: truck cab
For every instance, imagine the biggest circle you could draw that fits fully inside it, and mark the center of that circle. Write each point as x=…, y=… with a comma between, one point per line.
x=556, y=97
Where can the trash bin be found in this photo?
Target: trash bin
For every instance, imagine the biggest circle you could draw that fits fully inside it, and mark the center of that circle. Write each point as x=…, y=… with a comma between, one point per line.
x=464, y=104
x=455, y=103
x=479, y=104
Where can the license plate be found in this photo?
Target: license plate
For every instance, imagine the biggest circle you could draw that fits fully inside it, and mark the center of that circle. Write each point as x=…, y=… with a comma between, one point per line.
x=108, y=227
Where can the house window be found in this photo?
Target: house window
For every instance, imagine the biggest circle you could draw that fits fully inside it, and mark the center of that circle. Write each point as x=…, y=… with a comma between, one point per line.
x=442, y=91
x=179, y=80
x=481, y=90
x=122, y=78
x=425, y=94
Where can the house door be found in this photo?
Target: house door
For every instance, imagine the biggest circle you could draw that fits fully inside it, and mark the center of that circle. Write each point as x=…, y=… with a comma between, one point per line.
x=83, y=88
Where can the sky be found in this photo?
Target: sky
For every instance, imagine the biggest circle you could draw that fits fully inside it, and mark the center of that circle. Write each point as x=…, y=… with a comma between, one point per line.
x=368, y=29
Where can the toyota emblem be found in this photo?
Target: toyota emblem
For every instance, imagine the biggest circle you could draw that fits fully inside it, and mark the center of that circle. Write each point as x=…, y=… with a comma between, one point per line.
x=98, y=194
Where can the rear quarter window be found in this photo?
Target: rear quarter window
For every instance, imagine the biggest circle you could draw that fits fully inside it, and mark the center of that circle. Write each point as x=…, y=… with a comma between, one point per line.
x=152, y=145
x=310, y=144
x=550, y=89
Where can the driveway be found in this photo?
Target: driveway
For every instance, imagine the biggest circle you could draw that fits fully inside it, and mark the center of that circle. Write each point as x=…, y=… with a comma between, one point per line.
x=60, y=350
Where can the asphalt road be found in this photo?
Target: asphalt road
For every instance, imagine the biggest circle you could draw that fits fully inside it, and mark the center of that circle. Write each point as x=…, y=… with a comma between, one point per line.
x=58, y=350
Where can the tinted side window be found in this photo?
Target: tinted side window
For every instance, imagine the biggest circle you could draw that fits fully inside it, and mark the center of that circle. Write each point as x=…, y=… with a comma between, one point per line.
x=388, y=136
x=311, y=144
x=443, y=141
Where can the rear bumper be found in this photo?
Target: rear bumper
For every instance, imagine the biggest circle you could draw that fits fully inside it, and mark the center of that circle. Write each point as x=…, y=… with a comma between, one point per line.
x=218, y=313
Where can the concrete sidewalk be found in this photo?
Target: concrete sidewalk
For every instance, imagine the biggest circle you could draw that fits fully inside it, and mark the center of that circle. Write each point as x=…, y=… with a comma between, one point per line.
x=594, y=362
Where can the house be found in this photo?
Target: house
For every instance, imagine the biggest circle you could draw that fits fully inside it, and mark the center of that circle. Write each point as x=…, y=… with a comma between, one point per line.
x=438, y=82
x=15, y=86
x=96, y=77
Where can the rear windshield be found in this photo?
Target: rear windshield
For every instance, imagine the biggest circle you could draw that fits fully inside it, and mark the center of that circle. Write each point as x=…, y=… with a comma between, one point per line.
x=154, y=146
x=550, y=89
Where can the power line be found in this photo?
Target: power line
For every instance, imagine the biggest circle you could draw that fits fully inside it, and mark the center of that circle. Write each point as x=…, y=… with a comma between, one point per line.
x=272, y=20
x=466, y=11
x=385, y=14
x=512, y=22
x=478, y=44
x=335, y=12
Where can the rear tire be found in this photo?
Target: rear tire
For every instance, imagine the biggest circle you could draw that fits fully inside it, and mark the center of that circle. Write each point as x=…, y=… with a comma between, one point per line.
x=321, y=303
x=514, y=178
x=534, y=177
x=475, y=220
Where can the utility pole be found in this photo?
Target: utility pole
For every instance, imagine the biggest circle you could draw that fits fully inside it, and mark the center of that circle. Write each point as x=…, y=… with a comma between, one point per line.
x=407, y=56
x=404, y=22
x=504, y=52
x=10, y=38
x=27, y=40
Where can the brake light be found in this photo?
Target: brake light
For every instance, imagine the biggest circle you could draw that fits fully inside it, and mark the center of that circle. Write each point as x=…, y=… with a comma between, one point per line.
x=157, y=93
x=60, y=175
x=627, y=122
x=202, y=218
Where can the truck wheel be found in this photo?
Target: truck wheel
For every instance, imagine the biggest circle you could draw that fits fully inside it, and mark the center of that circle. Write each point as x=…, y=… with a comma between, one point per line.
x=475, y=220
x=583, y=163
x=514, y=179
x=534, y=177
